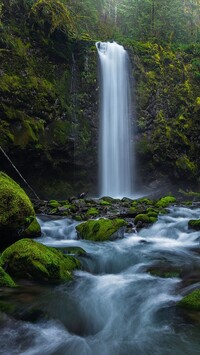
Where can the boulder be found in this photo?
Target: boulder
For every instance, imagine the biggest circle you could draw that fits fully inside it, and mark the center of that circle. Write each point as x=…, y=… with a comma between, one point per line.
x=16, y=211
x=31, y=260
x=102, y=229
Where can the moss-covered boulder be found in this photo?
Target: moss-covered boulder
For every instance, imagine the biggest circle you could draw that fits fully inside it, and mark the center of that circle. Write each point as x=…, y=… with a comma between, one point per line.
x=194, y=224
x=31, y=260
x=102, y=229
x=5, y=279
x=15, y=210
x=191, y=301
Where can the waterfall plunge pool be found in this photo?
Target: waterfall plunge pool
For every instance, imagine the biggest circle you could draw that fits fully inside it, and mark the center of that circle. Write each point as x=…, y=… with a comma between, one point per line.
x=115, y=306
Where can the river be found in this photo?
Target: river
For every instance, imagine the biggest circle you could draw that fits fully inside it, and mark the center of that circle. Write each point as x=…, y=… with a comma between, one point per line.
x=115, y=306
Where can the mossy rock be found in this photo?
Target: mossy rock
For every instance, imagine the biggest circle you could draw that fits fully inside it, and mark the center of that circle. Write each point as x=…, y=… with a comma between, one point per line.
x=102, y=229
x=165, y=201
x=33, y=230
x=145, y=201
x=92, y=212
x=194, y=224
x=142, y=218
x=191, y=301
x=54, y=204
x=104, y=203
x=164, y=272
x=5, y=279
x=31, y=260
x=15, y=208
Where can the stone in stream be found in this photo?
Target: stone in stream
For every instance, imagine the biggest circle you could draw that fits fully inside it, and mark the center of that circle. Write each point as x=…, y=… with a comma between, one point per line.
x=102, y=229
x=194, y=224
x=28, y=259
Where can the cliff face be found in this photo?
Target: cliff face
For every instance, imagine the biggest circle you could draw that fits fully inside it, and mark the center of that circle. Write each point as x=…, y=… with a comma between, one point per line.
x=49, y=107
x=168, y=108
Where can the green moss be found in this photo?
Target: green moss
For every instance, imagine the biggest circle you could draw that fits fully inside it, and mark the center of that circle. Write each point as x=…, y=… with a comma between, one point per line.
x=145, y=201
x=33, y=230
x=54, y=204
x=194, y=224
x=29, y=259
x=152, y=214
x=184, y=164
x=191, y=301
x=104, y=203
x=78, y=218
x=100, y=230
x=165, y=201
x=5, y=279
x=164, y=273
x=15, y=205
x=142, y=218
x=92, y=212
x=132, y=210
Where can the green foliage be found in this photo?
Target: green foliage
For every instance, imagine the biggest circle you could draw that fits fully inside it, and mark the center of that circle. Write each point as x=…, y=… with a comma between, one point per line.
x=54, y=14
x=100, y=230
x=29, y=259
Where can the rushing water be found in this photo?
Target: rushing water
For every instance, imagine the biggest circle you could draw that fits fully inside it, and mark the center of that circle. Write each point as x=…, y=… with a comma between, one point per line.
x=114, y=307
x=115, y=170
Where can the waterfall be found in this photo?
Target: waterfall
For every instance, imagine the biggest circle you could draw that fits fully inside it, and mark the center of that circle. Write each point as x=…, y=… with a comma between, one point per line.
x=115, y=166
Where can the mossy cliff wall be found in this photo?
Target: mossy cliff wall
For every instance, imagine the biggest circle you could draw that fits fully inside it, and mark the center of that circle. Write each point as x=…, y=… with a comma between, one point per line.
x=168, y=107
x=48, y=106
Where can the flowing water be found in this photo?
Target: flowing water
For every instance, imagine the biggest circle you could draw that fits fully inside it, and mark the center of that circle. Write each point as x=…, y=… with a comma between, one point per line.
x=114, y=306
x=115, y=169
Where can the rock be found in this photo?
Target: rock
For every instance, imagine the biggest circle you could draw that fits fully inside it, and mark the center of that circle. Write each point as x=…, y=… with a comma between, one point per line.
x=194, y=224
x=191, y=301
x=31, y=260
x=33, y=230
x=5, y=279
x=165, y=201
x=15, y=210
x=102, y=229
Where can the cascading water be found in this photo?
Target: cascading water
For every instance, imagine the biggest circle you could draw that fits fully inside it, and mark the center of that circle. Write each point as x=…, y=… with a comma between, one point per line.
x=114, y=305
x=116, y=168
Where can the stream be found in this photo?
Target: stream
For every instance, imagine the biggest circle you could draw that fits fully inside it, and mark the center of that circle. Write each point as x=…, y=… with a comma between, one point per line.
x=115, y=306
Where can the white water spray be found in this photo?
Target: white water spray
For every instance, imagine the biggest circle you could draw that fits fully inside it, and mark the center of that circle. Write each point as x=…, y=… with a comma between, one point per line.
x=116, y=177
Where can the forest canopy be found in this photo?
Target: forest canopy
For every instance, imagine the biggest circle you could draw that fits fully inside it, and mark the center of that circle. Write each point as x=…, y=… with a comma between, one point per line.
x=143, y=20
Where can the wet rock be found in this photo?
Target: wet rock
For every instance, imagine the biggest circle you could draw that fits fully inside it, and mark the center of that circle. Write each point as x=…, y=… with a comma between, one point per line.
x=102, y=229
x=194, y=224
x=191, y=301
x=31, y=260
